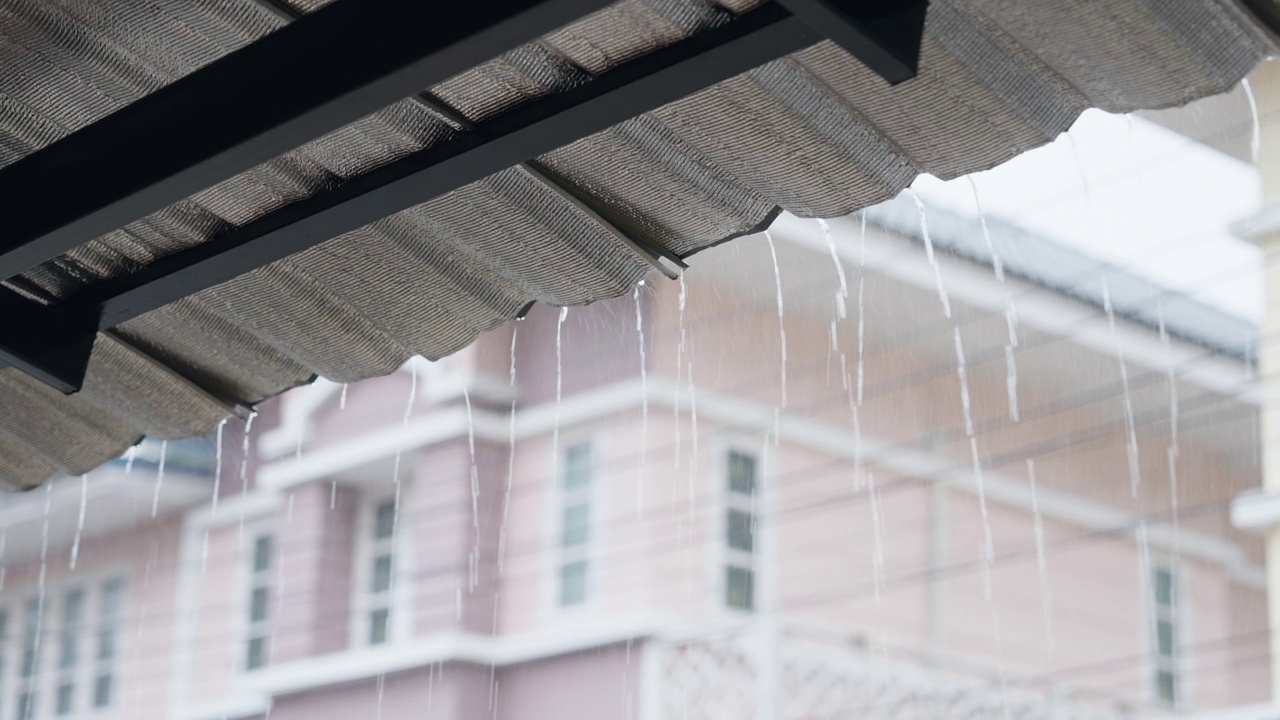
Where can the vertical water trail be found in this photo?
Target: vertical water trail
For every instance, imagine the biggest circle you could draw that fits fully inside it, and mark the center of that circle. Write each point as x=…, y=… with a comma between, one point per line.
x=244, y=475
x=862, y=266
x=129, y=456
x=511, y=456
x=841, y=297
x=217, y=468
x=835, y=258
x=288, y=513
x=40, y=589
x=1010, y=313
x=1255, y=141
x=877, y=524
x=644, y=402
x=1172, y=449
x=471, y=448
x=404, y=422
x=333, y=494
x=555, y=431
x=679, y=372
x=782, y=328
x=928, y=251
x=1042, y=567
x=1131, y=430
x=963, y=373
x=84, y=499
x=342, y=398
x=155, y=498
x=988, y=546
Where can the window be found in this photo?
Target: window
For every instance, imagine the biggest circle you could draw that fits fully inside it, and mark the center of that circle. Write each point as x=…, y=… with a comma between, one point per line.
x=1164, y=587
x=740, y=530
x=259, y=604
x=379, y=574
x=575, y=524
x=58, y=651
x=110, y=609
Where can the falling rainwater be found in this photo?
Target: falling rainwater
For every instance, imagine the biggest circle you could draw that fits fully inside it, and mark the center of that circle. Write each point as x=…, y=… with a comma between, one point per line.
x=155, y=498
x=333, y=494
x=217, y=468
x=644, y=402
x=1042, y=567
x=84, y=498
x=933, y=260
x=877, y=524
x=555, y=431
x=511, y=455
x=1010, y=314
x=342, y=398
x=129, y=456
x=782, y=328
x=1255, y=141
x=963, y=373
x=679, y=372
x=1131, y=431
x=244, y=472
x=471, y=447
x=1172, y=449
x=862, y=266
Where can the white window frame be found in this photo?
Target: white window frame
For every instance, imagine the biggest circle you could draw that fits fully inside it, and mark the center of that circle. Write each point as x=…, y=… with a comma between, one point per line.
x=724, y=556
x=50, y=675
x=367, y=549
x=269, y=580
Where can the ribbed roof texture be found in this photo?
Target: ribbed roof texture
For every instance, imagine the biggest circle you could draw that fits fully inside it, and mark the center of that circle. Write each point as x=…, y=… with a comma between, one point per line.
x=816, y=134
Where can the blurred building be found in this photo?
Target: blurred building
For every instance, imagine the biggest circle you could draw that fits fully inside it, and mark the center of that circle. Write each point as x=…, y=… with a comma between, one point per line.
x=979, y=486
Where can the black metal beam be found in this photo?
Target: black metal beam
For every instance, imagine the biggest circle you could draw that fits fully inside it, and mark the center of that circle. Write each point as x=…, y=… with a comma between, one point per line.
x=884, y=34
x=539, y=127
x=759, y=36
x=310, y=78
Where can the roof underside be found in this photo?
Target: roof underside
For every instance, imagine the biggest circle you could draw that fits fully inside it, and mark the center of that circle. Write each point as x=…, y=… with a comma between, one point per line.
x=816, y=133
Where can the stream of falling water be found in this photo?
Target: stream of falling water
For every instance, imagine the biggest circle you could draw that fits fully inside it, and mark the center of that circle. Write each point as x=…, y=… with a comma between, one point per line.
x=1172, y=450
x=1010, y=310
x=36, y=640
x=1042, y=567
x=155, y=497
x=679, y=374
x=644, y=402
x=217, y=467
x=84, y=499
x=1255, y=141
x=862, y=266
x=244, y=475
x=511, y=456
x=1131, y=430
x=928, y=251
x=782, y=328
x=555, y=431
x=342, y=397
x=129, y=456
x=877, y=524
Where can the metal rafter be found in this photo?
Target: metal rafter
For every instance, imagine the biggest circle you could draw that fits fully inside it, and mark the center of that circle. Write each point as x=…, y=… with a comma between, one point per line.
x=110, y=147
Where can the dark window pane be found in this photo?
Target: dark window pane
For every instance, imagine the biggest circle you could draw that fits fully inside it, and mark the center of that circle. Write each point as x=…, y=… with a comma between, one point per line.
x=577, y=466
x=1167, y=686
x=262, y=554
x=1163, y=581
x=112, y=590
x=1165, y=638
x=739, y=590
x=258, y=605
x=26, y=706
x=256, y=655
x=385, y=520
x=66, y=693
x=381, y=573
x=742, y=473
x=102, y=687
x=741, y=530
x=575, y=525
x=573, y=583
x=378, y=626
x=106, y=643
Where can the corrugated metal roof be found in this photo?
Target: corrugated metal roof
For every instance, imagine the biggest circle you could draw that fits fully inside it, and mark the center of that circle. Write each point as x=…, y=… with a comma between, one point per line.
x=816, y=133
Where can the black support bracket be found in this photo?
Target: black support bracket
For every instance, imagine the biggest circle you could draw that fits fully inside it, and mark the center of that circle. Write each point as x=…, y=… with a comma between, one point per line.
x=44, y=342
x=884, y=34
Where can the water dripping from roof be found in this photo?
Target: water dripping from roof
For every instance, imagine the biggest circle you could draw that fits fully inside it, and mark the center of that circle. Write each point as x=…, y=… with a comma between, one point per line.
x=1010, y=312
x=782, y=328
x=511, y=455
x=1042, y=567
x=679, y=371
x=84, y=498
x=342, y=397
x=1255, y=140
x=1131, y=430
x=129, y=456
x=862, y=266
x=933, y=259
x=1172, y=450
x=644, y=402
x=155, y=497
x=555, y=431
x=244, y=473
x=217, y=467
